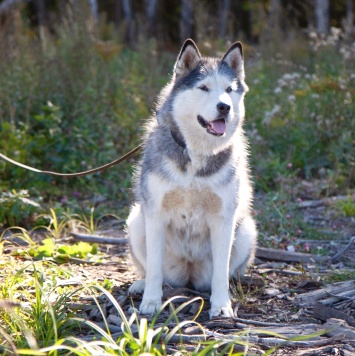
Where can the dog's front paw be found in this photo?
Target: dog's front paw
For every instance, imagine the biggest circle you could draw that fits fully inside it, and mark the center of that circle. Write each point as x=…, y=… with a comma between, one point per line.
x=149, y=306
x=224, y=309
x=137, y=287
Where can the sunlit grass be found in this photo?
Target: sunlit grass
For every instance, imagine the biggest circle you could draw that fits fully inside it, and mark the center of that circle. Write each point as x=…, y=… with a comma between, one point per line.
x=35, y=320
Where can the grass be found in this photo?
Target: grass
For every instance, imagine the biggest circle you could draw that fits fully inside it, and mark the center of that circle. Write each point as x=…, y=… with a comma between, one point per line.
x=35, y=319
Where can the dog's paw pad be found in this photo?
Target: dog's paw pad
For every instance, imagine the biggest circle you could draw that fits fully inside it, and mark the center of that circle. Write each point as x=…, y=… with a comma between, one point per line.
x=137, y=287
x=150, y=306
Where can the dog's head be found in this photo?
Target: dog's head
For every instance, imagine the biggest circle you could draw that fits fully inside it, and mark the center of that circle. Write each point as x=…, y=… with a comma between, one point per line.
x=208, y=95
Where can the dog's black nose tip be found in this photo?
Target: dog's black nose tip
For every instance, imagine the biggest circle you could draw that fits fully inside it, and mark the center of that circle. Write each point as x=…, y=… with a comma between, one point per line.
x=223, y=108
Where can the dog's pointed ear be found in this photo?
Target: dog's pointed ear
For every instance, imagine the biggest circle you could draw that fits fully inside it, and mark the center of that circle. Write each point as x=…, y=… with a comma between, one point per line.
x=188, y=58
x=234, y=59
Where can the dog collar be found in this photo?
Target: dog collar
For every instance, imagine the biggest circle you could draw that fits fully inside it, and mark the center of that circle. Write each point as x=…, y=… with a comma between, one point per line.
x=177, y=138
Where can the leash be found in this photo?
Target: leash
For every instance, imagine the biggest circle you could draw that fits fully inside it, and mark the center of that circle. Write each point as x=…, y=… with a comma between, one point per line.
x=79, y=174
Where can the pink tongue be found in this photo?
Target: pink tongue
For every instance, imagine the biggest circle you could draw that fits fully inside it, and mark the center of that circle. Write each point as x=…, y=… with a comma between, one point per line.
x=218, y=126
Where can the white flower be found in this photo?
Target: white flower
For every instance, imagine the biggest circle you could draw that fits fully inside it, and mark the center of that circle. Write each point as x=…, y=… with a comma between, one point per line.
x=278, y=90
x=291, y=98
x=269, y=115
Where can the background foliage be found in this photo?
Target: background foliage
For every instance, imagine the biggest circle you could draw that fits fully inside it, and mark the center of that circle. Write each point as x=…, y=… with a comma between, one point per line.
x=75, y=89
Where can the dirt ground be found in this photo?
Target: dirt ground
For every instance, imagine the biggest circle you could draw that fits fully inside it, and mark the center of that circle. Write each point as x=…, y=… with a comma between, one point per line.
x=295, y=300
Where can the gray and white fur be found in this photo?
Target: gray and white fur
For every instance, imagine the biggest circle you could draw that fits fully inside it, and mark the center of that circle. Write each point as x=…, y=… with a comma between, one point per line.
x=191, y=222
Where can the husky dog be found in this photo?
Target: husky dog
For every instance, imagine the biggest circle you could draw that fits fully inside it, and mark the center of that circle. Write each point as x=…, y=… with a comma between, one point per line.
x=191, y=222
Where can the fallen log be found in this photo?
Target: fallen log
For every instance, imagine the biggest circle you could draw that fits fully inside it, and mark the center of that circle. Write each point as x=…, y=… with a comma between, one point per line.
x=99, y=239
x=287, y=256
x=309, y=299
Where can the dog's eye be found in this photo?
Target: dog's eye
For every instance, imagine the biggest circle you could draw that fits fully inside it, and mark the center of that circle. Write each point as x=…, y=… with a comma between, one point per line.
x=229, y=89
x=203, y=87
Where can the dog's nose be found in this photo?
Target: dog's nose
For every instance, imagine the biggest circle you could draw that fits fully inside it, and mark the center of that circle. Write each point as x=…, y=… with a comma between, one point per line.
x=223, y=108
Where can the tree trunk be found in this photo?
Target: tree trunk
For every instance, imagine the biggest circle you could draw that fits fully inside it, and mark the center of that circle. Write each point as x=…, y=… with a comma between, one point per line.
x=185, y=19
x=322, y=16
x=225, y=7
x=150, y=9
x=41, y=12
x=274, y=19
x=127, y=11
x=94, y=10
x=349, y=24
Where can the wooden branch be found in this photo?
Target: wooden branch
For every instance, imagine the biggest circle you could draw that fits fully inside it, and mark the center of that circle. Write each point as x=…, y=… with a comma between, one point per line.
x=258, y=323
x=326, y=350
x=323, y=312
x=326, y=201
x=338, y=255
x=287, y=256
x=339, y=327
x=272, y=341
x=310, y=298
x=99, y=239
x=280, y=271
x=289, y=332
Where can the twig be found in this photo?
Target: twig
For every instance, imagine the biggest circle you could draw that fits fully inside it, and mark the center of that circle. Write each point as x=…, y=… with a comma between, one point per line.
x=258, y=323
x=272, y=341
x=325, y=201
x=338, y=255
x=281, y=271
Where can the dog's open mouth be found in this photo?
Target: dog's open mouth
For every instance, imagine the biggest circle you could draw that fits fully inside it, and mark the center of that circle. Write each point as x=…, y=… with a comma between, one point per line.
x=215, y=127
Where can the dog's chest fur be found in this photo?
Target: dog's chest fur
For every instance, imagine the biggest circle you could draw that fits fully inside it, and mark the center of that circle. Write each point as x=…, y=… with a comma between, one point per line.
x=191, y=200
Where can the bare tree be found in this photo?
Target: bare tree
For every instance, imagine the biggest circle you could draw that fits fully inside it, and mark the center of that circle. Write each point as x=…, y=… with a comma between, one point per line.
x=94, y=10
x=41, y=12
x=274, y=18
x=349, y=23
x=225, y=7
x=150, y=10
x=322, y=16
x=127, y=11
x=150, y=6
x=185, y=19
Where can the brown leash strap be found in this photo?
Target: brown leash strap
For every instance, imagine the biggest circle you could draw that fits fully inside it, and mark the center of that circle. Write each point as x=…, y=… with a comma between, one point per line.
x=79, y=174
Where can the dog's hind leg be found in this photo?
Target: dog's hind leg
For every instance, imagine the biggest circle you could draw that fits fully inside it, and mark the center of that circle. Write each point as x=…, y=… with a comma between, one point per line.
x=243, y=249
